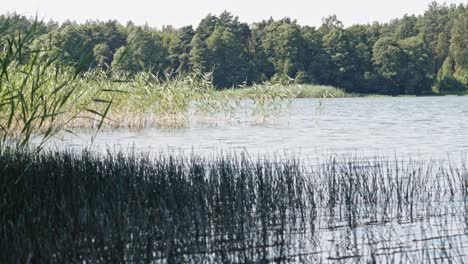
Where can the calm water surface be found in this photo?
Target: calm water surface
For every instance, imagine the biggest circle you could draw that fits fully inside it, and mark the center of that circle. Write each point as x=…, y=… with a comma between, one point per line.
x=427, y=126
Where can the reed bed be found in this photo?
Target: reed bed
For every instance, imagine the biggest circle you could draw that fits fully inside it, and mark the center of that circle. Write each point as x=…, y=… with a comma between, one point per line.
x=147, y=100
x=319, y=91
x=64, y=206
x=287, y=91
x=111, y=100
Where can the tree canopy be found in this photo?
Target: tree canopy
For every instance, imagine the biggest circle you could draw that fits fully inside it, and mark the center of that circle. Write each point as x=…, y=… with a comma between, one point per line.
x=408, y=55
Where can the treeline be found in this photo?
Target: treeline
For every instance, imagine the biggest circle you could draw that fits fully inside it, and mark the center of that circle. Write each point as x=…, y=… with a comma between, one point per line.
x=409, y=55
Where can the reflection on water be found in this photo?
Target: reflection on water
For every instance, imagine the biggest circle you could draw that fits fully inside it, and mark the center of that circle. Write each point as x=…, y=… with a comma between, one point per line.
x=429, y=126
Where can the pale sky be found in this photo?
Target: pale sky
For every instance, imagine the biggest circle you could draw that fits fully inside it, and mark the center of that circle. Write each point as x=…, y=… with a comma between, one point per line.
x=189, y=12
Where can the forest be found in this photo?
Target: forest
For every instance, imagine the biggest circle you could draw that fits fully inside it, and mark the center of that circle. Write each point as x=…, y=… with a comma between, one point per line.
x=415, y=55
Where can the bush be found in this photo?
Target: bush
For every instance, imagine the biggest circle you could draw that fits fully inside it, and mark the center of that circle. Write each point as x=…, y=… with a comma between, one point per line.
x=449, y=84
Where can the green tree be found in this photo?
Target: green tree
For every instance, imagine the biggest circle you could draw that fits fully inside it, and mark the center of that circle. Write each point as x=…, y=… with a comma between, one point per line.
x=417, y=77
x=283, y=45
x=389, y=60
x=76, y=43
x=264, y=67
x=407, y=27
x=180, y=51
x=229, y=67
x=399, y=57
x=102, y=55
x=144, y=52
x=221, y=45
x=338, y=43
x=404, y=65
x=437, y=19
x=459, y=47
x=198, y=59
x=442, y=49
x=446, y=82
x=362, y=40
x=329, y=24
x=316, y=60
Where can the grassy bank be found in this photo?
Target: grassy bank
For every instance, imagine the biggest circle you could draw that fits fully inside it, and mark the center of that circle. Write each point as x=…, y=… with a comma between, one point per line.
x=287, y=91
x=465, y=93
x=81, y=207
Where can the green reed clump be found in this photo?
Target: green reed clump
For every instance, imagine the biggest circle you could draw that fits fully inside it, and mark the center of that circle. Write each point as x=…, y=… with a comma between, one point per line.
x=38, y=96
x=82, y=207
x=147, y=100
x=144, y=100
x=284, y=91
x=319, y=91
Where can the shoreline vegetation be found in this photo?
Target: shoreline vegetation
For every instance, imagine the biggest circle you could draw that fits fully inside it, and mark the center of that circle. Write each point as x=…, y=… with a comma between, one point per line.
x=298, y=91
x=146, y=101
x=100, y=99
x=66, y=206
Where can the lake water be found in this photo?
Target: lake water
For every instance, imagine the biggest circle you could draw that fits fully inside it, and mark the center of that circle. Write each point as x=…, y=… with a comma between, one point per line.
x=417, y=126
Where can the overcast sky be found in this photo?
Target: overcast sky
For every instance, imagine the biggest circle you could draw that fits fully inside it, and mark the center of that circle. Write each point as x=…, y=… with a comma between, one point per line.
x=189, y=12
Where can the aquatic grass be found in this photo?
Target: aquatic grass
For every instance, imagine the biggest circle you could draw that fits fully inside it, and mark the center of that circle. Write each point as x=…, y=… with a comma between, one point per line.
x=287, y=91
x=320, y=91
x=147, y=100
x=229, y=208
x=37, y=93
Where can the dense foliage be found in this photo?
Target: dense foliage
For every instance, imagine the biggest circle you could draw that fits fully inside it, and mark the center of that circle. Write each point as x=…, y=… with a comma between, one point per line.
x=410, y=55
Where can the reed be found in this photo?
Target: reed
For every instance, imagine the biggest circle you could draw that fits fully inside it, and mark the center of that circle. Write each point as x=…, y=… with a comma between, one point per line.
x=83, y=207
x=147, y=100
x=320, y=91
x=287, y=91
x=38, y=96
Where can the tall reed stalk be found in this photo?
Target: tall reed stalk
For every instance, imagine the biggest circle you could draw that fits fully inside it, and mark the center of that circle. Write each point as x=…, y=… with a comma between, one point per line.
x=38, y=95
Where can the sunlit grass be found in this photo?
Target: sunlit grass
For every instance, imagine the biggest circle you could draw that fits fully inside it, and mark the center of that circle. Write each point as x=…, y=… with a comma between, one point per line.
x=146, y=100
x=38, y=95
x=287, y=91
